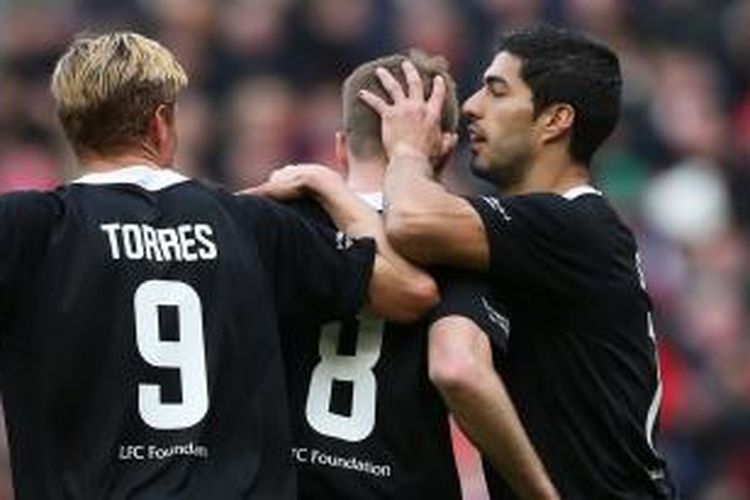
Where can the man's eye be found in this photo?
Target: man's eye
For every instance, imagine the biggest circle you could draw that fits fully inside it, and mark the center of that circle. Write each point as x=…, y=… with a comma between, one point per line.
x=496, y=90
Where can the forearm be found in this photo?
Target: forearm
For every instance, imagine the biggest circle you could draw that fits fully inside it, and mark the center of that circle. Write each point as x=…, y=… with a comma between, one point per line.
x=349, y=213
x=426, y=223
x=399, y=290
x=460, y=364
x=411, y=196
x=355, y=218
x=485, y=413
x=410, y=184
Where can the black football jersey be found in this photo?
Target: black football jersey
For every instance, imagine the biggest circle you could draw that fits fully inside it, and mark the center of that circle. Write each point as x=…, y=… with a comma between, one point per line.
x=581, y=365
x=367, y=422
x=139, y=348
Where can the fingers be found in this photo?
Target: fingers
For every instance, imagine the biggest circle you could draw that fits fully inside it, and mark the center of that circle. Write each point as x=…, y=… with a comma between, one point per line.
x=277, y=190
x=435, y=102
x=310, y=166
x=291, y=181
x=415, y=90
x=413, y=80
x=390, y=84
x=375, y=102
x=255, y=191
x=278, y=175
x=303, y=174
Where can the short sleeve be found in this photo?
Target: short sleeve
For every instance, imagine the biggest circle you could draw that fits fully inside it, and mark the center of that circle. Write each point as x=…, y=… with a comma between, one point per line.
x=26, y=222
x=318, y=273
x=541, y=244
x=468, y=295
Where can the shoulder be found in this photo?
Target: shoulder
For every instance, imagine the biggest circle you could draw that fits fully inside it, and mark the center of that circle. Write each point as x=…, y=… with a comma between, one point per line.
x=27, y=220
x=570, y=214
x=304, y=210
x=565, y=209
x=261, y=208
x=586, y=225
x=310, y=210
x=31, y=207
x=592, y=217
x=582, y=222
x=271, y=218
x=32, y=199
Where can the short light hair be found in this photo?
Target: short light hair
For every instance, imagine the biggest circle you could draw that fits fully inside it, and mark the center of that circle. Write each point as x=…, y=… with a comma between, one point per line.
x=362, y=124
x=108, y=87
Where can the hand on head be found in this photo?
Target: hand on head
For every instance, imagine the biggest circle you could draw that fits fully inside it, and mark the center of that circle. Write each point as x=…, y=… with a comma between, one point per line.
x=411, y=125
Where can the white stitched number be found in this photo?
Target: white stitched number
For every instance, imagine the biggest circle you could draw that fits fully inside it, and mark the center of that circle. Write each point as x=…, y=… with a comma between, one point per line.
x=357, y=370
x=186, y=354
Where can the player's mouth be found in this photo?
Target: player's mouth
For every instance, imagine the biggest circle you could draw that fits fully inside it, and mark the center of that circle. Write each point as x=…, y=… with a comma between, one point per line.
x=476, y=134
x=476, y=137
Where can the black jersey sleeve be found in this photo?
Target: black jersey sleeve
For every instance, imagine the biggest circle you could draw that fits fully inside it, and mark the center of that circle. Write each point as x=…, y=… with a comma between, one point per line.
x=469, y=295
x=318, y=273
x=26, y=221
x=541, y=244
x=311, y=210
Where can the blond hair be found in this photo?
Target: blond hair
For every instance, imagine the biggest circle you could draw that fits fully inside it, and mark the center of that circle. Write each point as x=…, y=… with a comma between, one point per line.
x=362, y=124
x=108, y=87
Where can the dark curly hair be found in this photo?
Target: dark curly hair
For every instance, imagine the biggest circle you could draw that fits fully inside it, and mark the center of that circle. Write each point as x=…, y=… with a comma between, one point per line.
x=561, y=66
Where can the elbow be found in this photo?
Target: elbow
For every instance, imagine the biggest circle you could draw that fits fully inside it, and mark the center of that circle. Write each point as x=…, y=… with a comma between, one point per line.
x=452, y=376
x=423, y=295
x=401, y=296
x=420, y=295
x=455, y=367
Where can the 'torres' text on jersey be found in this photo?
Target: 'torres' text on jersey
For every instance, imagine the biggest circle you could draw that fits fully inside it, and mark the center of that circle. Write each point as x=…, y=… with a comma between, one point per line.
x=186, y=242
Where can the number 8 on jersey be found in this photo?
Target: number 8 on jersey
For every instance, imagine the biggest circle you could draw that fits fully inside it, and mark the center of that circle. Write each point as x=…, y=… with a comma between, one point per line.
x=356, y=369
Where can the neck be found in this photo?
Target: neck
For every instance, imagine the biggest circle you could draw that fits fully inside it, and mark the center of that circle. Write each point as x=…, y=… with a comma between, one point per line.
x=366, y=176
x=552, y=175
x=95, y=162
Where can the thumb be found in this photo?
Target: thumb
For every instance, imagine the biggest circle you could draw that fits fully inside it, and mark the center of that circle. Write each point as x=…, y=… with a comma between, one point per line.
x=261, y=190
x=448, y=143
x=251, y=190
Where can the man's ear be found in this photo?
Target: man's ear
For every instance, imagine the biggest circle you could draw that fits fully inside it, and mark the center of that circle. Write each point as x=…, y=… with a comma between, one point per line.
x=448, y=146
x=161, y=123
x=556, y=121
x=342, y=153
x=161, y=140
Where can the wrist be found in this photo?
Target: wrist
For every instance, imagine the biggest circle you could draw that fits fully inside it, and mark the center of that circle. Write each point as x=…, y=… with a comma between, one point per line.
x=321, y=184
x=414, y=160
x=348, y=212
x=405, y=150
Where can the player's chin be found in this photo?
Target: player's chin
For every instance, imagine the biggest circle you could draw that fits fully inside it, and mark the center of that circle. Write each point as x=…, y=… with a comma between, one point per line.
x=480, y=165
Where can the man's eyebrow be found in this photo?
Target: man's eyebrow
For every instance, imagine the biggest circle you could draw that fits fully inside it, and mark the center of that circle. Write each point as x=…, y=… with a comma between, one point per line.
x=495, y=79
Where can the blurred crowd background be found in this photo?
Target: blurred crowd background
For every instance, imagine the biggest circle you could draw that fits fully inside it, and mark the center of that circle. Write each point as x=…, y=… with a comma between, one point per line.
x=264, y=92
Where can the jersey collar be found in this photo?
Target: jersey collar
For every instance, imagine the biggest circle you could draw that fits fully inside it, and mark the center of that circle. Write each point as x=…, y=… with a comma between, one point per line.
x=575, y=192
x=149, y=178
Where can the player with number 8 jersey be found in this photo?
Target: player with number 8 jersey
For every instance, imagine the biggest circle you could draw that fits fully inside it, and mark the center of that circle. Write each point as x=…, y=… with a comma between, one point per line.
x=367, y=421
x=139, y=345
